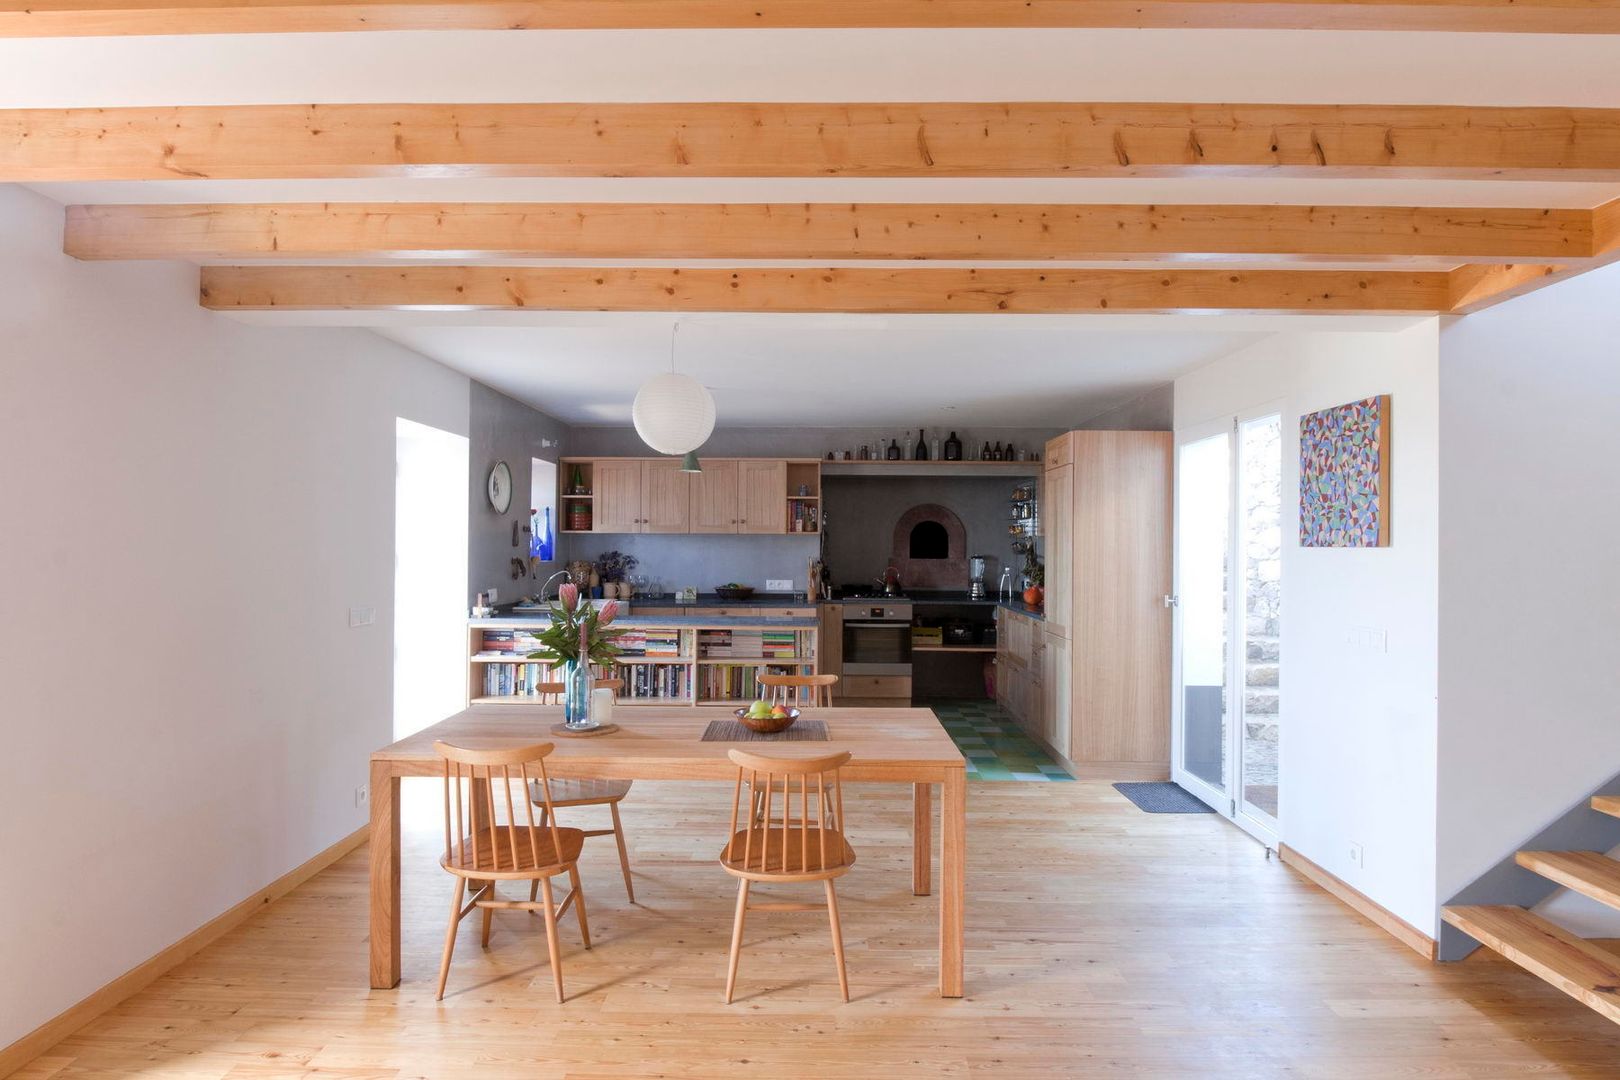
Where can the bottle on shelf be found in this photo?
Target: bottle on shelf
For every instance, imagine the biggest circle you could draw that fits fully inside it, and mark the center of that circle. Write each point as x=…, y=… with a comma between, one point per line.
x=922, y=447
x=953, y=448
x=1007, y=454
x=984, y=455
x=995, y=455
x=933, y=449
x=894, y=450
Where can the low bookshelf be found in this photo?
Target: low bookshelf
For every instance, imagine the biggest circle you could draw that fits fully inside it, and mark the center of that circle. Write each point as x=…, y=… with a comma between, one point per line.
x=687, y=661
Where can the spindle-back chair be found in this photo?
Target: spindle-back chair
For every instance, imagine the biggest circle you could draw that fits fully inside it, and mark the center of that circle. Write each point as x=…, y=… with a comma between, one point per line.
x=800, y=691
x=791, y=849
x=480, y=848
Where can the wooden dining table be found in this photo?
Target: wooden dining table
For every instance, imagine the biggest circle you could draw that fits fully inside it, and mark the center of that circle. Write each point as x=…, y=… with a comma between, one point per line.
x=666, y=743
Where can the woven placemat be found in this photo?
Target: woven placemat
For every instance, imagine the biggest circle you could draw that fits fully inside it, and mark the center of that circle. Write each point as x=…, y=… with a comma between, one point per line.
x=737, y=731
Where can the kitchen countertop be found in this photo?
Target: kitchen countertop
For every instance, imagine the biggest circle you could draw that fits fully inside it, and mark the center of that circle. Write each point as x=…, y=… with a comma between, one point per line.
x=759, y=599
x=656, y=622
x=1020, y=608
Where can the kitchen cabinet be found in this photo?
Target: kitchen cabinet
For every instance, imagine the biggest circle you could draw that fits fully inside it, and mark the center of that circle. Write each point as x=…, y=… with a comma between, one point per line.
x=714, y=498
x=762, y=496
x=618, y=495
x=1057, y=517
x=730, y=495
x=1106, y=639
x=634, y=495
x=830, y=661
x=666, y=502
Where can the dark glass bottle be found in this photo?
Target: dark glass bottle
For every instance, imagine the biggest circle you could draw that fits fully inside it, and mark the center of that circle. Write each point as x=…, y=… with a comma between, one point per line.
x=894, y=450
x=922, y=447
x=1007, y=453
x=953, y=448
x=995, y=455
x=984, y=455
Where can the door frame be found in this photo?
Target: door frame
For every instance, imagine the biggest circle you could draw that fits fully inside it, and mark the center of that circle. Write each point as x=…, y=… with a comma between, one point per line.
x=1230, y=804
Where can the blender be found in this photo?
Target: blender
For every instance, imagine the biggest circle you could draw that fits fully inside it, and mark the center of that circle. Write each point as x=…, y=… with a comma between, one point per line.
x=976, y=564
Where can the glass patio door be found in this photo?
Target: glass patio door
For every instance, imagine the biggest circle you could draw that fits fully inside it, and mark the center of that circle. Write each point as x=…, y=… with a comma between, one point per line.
x=1227, y=666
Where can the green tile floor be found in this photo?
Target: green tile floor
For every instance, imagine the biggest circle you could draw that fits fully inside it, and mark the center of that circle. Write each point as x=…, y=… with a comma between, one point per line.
x=994, y=745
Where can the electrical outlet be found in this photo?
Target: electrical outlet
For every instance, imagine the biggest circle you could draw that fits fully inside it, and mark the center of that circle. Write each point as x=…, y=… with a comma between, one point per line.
x=1368, y=638
x=362, y=795
x=778, y=585
x=362, y=616
x=1358, y=857
x=493, y=593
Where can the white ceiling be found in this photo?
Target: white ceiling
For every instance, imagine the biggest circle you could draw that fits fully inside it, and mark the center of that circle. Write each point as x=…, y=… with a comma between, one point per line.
x=807, y=369
x=821, y=370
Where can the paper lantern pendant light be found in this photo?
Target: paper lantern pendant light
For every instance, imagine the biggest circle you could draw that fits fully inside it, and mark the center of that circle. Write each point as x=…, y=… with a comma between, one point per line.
x=673, y=413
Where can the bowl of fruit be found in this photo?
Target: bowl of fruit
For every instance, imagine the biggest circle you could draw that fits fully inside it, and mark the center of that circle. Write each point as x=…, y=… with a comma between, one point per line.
x=764, y=717
x=734, y=591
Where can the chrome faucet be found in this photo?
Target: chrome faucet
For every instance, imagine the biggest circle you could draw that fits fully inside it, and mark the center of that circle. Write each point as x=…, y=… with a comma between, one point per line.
x=544, y=585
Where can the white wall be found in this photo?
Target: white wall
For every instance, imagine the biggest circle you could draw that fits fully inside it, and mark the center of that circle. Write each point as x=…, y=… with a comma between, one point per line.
x=1530, y=588
x=1358, y=758
x=188, y=507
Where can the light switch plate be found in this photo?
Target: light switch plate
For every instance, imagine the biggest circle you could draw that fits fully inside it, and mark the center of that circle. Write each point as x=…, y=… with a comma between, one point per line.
x=778, y=585
x=362, y=616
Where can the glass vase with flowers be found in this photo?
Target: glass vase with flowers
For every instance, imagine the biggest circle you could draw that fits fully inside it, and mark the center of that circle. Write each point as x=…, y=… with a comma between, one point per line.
x=580, y=635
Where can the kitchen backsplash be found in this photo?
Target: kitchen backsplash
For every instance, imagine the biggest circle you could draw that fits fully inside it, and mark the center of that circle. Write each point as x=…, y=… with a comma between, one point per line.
x=671, y=562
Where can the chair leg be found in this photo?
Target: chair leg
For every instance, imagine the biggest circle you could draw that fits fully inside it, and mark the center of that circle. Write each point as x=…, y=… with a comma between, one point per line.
x=736, y=937
x=450, y=935
x=534, y=891
x=624, y=856
x=489, y=914
x=837, y=936
x=551, y=938
x=579, y=905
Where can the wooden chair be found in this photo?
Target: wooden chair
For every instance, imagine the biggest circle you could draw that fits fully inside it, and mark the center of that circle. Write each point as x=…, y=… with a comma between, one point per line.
x=792, y=850
x=607, y=793
x=478, y=848
x=800, y=691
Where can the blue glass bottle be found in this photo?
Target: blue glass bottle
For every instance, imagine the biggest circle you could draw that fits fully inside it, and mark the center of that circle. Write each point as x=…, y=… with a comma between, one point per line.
x=577, y=694
x=549, y=551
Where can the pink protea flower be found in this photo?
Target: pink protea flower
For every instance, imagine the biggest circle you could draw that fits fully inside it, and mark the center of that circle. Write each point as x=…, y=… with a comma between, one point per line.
x=568, y=596
x=609, y=610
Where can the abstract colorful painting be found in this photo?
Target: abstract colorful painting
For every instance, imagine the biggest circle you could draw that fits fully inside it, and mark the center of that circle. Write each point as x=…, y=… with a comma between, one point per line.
x=1344, y=475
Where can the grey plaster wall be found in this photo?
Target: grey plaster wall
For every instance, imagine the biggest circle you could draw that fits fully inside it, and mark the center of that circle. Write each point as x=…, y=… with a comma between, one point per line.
x=673, y=562
x=503, y=429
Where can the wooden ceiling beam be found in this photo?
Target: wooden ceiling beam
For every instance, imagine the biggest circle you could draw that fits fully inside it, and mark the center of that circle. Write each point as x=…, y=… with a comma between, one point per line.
x=832, y=231
x=841, y=290
x=1474, y=288
x=30, y=18
x=803, y=139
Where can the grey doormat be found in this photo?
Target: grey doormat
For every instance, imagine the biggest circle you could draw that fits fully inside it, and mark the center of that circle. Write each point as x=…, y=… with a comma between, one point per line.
x=737, y=731
x=1163, y=797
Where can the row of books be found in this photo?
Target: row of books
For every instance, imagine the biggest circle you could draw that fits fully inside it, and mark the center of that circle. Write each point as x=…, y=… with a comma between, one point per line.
x=735, y=682
x=649, y=643
x=510, y=641
x=657, y=681
x=772, y=644
x=521, y=680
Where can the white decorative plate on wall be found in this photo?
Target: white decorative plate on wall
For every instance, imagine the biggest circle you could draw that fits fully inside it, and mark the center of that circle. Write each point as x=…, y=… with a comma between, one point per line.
x=500, y=487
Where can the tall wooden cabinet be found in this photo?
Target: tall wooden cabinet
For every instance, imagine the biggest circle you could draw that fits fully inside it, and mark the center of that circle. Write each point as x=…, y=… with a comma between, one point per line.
x=1106, y=639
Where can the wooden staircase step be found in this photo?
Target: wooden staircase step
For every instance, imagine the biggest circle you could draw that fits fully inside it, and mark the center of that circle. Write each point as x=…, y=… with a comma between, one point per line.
x=1584, y=971
x=1591, y=873
x=1607, y=804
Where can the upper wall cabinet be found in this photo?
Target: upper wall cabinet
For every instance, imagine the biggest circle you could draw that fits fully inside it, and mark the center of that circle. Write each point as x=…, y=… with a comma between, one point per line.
x=730, y=495
x=762, y=496
x=714, y=498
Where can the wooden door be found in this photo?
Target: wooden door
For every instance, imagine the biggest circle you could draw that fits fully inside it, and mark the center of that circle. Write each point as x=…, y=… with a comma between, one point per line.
x=830, y=643
x=666, y=499
x=1121, y=626
x=618, y=495
x=714, y=498
x=1057, y=694
x=762, y=496
x=1057, y=515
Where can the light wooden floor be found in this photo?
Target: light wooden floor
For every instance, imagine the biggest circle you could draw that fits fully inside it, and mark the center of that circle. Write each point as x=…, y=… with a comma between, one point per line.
x=1163, y=946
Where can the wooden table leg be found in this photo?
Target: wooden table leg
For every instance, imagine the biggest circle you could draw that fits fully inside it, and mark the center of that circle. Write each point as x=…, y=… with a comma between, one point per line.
x=922, y=841
x=384, y=877
x=952, y=880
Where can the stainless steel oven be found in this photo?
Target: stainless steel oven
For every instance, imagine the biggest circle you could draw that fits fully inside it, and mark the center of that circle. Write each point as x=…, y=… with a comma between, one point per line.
x=877, y=638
